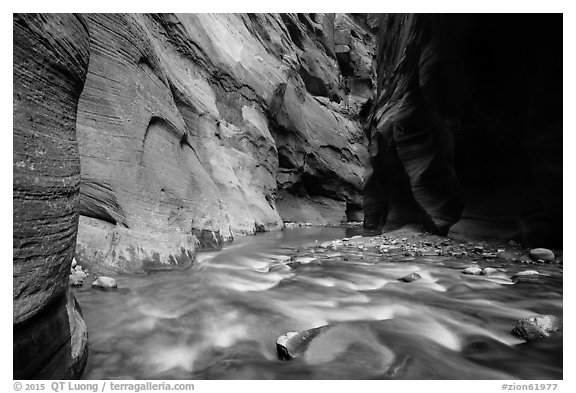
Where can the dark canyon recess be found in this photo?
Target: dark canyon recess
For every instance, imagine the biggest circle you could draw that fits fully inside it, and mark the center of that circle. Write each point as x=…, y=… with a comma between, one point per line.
x=466, y=134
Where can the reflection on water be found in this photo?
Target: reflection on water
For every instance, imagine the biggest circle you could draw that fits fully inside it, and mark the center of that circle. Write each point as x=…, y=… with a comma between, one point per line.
x=221, y=318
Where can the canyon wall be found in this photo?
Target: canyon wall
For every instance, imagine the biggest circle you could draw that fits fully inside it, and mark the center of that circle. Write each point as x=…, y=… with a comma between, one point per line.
x=466, y=134
x=50, y=63
x=195, y=128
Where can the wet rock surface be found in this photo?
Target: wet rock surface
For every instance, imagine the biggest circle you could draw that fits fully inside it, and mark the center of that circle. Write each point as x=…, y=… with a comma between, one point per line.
x=410, y=277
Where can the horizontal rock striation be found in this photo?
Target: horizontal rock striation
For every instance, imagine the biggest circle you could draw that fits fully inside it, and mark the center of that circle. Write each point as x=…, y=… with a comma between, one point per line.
x=51, y=55
x=466, y=134
x=194, y=128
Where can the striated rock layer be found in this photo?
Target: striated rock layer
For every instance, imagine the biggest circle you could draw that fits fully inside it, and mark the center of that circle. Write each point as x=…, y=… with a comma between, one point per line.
x=466, y=134
x=194, y=128
x=50, y=62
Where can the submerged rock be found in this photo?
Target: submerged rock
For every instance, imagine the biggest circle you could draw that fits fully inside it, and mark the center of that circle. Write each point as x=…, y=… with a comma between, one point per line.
x=542, y=254
x=474, y=270
x=105, y=283
x=410, y=277
x=487, y=271
x=526, y=273
x=536, y=327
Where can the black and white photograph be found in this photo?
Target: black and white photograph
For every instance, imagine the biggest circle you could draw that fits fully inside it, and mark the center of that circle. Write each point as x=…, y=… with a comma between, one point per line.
x=287, y=196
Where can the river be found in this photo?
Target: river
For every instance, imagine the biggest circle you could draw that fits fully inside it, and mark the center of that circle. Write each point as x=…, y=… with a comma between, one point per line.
x=220, y=319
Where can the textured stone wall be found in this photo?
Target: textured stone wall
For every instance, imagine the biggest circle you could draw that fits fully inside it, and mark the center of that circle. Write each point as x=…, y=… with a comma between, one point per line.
x=195, y=128
x=50, y=62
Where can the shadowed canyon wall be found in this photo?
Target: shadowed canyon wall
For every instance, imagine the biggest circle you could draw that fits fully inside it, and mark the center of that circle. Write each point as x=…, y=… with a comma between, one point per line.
x=194, y=128
x=466, y=134
x=50, y=63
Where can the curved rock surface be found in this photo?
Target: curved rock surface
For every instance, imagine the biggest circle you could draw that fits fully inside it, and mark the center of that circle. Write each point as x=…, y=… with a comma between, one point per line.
x=466, y=134
x=194, y=128
x=50, y=62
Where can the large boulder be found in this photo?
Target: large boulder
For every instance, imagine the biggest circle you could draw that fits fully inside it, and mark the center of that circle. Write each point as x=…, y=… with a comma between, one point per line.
x=50, y=61
x=466, y=134
x=542, y=254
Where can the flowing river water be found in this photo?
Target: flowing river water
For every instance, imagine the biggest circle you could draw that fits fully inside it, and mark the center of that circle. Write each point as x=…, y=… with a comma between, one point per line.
x=220, y=319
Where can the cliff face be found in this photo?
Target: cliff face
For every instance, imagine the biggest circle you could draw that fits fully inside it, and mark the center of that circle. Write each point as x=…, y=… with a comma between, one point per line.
x=194, y=128
x=50, y=63
x=466, y=134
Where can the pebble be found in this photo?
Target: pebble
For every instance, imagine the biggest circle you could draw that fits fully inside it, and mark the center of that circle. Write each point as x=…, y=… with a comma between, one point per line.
x=76, y=280
x=74, y=263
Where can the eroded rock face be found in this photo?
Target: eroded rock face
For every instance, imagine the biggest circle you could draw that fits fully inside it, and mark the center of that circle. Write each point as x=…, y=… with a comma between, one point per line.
x=466, y=135
x=194, y=128
x=51, y=55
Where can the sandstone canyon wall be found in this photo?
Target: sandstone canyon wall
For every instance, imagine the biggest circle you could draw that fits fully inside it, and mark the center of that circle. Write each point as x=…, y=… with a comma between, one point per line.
x=194, y=128
x=50, y=63
x=466, y=133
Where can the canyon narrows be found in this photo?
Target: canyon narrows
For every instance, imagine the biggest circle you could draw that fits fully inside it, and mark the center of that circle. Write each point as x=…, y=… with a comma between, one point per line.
x=146, y=146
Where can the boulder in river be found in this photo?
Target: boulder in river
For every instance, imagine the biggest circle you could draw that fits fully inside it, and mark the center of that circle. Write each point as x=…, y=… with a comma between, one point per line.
x=105, y=283
x=543, y=254
x=536, y=327
x=292, y=345
x=346, y=349
x=410, y=277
